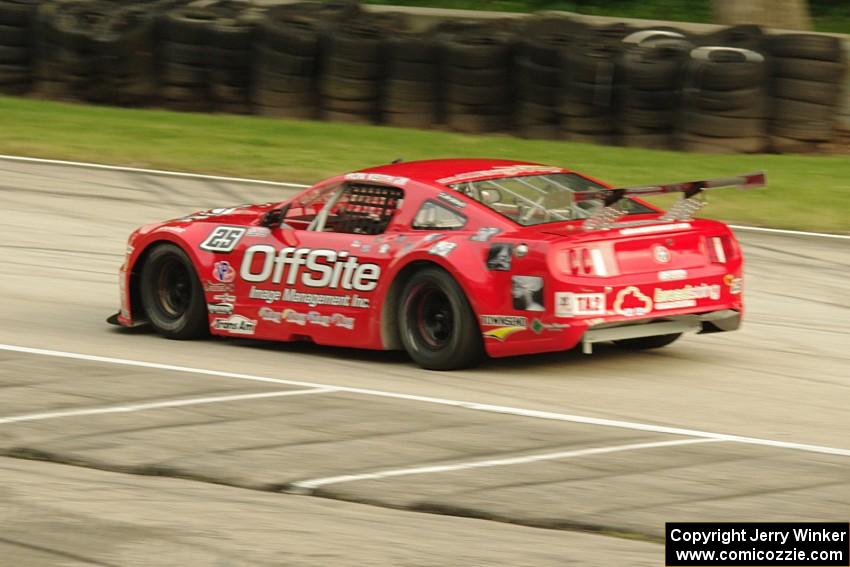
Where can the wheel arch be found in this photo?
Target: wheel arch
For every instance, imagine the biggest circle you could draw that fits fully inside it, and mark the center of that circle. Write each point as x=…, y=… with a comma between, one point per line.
x=390, y=336
x=134, y=283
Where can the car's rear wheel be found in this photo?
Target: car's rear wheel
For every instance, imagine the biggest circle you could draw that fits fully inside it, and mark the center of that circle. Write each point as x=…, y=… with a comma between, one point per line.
x=172, y=296
x=437, y=325
x=644, y=343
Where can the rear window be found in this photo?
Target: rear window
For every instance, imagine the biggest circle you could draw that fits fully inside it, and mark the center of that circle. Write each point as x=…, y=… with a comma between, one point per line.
x=537, y=199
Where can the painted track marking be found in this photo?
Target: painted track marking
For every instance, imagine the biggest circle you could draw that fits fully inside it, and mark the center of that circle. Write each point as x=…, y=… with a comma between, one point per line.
x=158, y=405
x=522, y=412
x=246, y=180
x=308, y=486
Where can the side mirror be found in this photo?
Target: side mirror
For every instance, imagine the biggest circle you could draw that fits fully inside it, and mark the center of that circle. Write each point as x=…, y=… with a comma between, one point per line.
x=274, y=217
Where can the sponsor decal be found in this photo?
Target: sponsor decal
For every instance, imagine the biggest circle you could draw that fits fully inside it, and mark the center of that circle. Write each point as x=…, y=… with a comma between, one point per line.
x=355, y=244
x=538, y=326
x=259, y=231
x=736, y=285
x=214, y=287
x=499, y=170
x=527, y=293
x=442, y=248
x=379, y=177
x=366, y=247
x=235, y=324
x=316, y=318
x=672, y=275
x=269, y=314
x=569, y=304
x=485, y=234
x=500, y=256
x=451, y=200
x=223, y=239
x=661, y=254
x=431, y=237
x=506, y=325
x=311, y=267
x=631, y=302
x=220, y=308
x=383, y=248
x=225, y=298
x=267, y=295
x=223, y=271
x=314, y=299
x=504, y=321
x=685, y=296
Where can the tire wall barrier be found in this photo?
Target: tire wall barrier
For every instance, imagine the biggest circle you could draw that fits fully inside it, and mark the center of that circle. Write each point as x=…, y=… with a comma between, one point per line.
x=737, y=89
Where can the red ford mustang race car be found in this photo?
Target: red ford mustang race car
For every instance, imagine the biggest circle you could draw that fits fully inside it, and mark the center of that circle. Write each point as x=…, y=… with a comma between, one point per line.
x=447, y=259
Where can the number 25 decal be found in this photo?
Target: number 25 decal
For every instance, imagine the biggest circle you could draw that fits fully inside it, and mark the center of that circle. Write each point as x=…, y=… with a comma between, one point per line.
x=223, y=239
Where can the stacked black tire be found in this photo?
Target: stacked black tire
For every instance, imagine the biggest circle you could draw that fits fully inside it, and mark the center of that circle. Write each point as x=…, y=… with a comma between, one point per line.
x=476, y=71
x=183, y=58
x=724, y=107
x=96, y=51
x=590, y=74
x=809, y=73
x=17, y=26
x=411, y=83
x=353, y=69
x=538, y=75
x=231, y=39
x=287, y=56
x=652, y=64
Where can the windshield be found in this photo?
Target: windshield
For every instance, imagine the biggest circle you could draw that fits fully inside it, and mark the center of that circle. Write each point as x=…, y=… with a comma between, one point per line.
x=538, y=199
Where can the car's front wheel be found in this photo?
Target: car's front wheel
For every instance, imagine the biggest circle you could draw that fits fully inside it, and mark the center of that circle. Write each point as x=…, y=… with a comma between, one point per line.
x=172, y=296
x=437, y=325
x=644, y=343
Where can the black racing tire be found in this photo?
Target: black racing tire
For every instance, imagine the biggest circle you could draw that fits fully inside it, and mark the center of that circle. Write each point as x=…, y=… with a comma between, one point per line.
x=809, y=69
x=13, y=55
x=467, y=94
x=290, y=33
x=352, y=69
x=17, y=12
x=495, y=76
x=172, y=295
x=713, y=125
x=806, y=46
x=478, y=50
x=413, y=91
x=719, y=101
x=411, y=71
x=347, y=117
x=270, y=60
x=404, y=106
x=412, y=48
x=184, y=53
x=722, y=69
x=423, y=120
x=349, y=89
x=188, y=24
x=437, y=325
x=470, y=123
x=807, y=91
x=14, y=35
x=644, y=343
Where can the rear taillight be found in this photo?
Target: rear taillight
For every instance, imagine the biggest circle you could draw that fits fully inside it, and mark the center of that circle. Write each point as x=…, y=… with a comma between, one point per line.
x=595, y=261
x=720, y=249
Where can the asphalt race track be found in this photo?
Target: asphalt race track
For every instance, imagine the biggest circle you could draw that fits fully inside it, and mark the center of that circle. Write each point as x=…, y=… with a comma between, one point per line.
x=228, y=452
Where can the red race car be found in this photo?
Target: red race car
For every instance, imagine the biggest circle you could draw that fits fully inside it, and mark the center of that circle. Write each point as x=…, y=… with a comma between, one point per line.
x=448, y=259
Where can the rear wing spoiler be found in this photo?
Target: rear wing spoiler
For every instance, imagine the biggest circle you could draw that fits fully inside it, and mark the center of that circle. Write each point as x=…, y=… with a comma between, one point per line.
x=682, y=210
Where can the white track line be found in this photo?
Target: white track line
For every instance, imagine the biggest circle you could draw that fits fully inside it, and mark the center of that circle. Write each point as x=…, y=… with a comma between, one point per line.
x=307, y=486
x=161, y=172
x=536, y=414
x=158, y=405
x=166, y=173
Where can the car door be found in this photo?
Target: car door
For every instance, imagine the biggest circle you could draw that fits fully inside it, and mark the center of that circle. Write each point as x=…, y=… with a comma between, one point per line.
x=323, y=281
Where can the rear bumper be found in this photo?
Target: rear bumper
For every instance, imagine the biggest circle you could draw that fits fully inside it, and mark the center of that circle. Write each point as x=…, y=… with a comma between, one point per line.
x=711, y=322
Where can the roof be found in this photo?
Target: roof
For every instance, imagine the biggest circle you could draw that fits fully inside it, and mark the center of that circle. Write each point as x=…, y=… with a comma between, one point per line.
x=448, y=171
